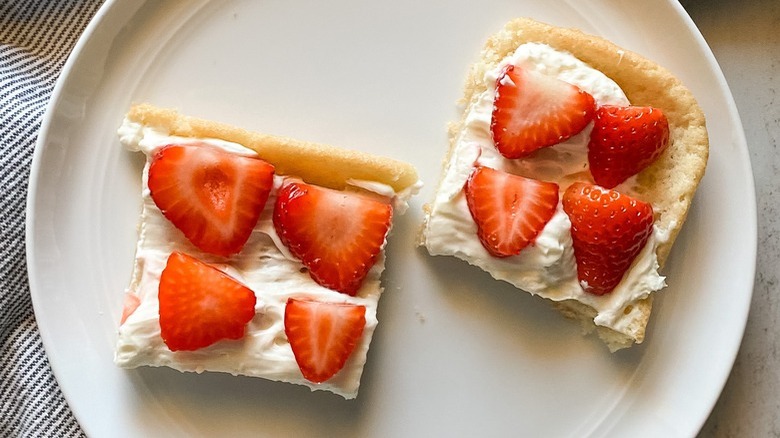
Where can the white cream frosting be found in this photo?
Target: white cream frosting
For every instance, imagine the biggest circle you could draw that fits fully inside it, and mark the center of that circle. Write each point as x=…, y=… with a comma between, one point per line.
x=546, y=268
x=264, y=265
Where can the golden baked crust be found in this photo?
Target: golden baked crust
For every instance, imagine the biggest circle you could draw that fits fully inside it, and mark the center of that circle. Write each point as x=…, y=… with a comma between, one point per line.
x=669, y=184
x=316, y=163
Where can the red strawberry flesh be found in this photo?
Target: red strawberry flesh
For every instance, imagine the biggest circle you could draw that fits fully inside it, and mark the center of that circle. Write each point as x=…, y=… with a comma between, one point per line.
x=130, y=304
x=624, y=141
x=532, y=111
x=200, y=305
x=608, y=229
x=322, y=335
x=337, y=235
x=510, y=211
x=214, y=197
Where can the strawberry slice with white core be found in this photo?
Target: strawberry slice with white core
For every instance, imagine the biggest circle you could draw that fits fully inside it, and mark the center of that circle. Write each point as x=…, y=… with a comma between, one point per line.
x=322, y=335
x=200, y=305
x=214, y=197
x=337, y=235
x=532, y=111
x=510, y=210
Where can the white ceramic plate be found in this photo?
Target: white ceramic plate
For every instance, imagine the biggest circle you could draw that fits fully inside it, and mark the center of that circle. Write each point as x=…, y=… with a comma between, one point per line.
x=456, y=354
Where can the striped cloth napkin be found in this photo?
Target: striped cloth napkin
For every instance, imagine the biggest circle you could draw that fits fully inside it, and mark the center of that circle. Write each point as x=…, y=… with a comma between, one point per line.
x=36, y=37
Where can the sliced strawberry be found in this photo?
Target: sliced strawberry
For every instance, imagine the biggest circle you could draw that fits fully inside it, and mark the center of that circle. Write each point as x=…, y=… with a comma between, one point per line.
x=322, y=335
x=129, y=306
x=608, y=230
x=214, y=197
x=509, y=210
x=200, y=305
x=624, y=141
x=532, y=111
x=337, y=235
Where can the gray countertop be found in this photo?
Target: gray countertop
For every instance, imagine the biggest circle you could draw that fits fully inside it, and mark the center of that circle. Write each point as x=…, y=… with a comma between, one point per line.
x=745, y=38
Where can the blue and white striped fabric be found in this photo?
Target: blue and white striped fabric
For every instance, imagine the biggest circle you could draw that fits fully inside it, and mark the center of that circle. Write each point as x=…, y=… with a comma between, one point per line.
x=36, y=37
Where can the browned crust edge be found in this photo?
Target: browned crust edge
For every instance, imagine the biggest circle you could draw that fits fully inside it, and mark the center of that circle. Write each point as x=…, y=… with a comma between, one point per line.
x=320, y=164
